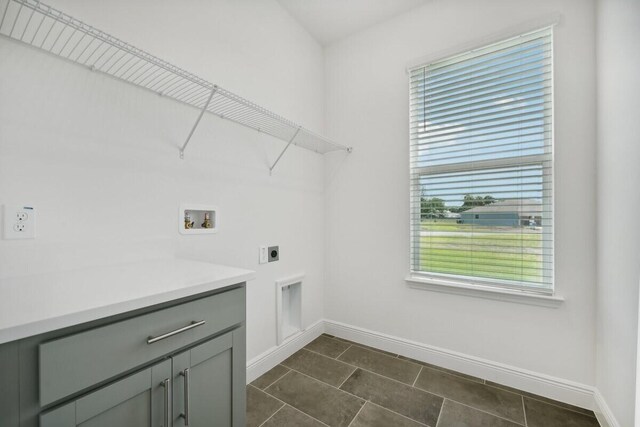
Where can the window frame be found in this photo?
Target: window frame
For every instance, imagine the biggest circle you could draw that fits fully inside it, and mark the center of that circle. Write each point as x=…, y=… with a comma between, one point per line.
x=475, y=285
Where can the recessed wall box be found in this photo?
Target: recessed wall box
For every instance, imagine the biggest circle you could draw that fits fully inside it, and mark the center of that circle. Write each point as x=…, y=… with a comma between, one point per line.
x=289, y=307
x=198, y=219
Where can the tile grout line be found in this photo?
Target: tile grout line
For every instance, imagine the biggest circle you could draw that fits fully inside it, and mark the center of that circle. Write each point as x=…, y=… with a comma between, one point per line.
x=272, y=415
x=359, y=367
x=251, y=385
x=440, y=413
x=366, y=347
x=384, y=376
x=556, y=405
x=266, y=392
x=332, y=358
x=356, y=396
x=397, y=357
x=285, y=403
x=345, y=380
x=355, y=368
x=389, y=378
x=453, y=400
x=417, y=376
x=524, y=411
x=320, y=354
x=358, y=413
x=278, y=379
x=472, y=407
x=313, y=418
x=548, y=400
x=345, y=350
x=366, y=370
x=316, y=352
x=430, y=365
x=397, y=413
x=443, y=369
x=332, y=386
x=484, y=412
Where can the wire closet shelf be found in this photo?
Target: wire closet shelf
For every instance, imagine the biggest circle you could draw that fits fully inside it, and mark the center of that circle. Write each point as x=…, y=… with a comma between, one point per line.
x=48, y=29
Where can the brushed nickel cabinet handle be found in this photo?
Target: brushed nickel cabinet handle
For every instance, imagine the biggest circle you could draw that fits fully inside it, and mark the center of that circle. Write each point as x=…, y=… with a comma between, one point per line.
x=167, y=400
x=192, y=325
x=186, y=375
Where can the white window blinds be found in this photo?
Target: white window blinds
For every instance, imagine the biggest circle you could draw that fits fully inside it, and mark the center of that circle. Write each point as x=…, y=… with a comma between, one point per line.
x=481, y=166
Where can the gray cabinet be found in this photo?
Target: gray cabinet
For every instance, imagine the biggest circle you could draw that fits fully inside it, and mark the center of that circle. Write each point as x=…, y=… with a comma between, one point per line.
x=115, y=371
x=206, y=394
x=138, y=400
x=68, y=364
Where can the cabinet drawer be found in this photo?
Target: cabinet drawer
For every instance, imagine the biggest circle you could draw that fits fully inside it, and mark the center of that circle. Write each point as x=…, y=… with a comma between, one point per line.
x=74, y=363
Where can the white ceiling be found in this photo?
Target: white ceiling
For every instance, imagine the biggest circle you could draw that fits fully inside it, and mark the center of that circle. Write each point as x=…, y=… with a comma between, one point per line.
x=332, y=20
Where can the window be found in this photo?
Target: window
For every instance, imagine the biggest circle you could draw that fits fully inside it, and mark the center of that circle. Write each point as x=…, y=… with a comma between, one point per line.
x=481, y=166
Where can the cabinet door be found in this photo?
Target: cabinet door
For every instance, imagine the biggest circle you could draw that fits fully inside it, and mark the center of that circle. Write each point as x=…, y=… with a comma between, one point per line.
x=209, y=389
x=139, y=400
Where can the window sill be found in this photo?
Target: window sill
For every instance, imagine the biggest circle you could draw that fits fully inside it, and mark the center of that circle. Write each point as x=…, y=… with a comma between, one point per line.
x=441, y=285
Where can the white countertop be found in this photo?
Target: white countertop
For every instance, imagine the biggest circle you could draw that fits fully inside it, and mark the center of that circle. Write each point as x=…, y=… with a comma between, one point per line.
x=32, y=305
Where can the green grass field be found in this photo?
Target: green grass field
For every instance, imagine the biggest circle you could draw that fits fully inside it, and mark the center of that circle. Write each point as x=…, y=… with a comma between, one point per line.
x=492, y=252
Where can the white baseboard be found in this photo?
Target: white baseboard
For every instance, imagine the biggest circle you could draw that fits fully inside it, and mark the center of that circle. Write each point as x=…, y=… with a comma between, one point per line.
x=603, y=412
x=544, y=385
x=270, y=358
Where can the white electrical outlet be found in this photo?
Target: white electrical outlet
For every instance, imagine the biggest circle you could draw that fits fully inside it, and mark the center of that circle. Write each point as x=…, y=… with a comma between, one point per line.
x=19, y=222
x=264, y=255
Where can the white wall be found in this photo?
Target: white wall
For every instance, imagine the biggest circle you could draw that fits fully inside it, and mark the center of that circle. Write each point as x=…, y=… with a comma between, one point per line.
x=368, y=195
x=99, y=158
x=618, y=178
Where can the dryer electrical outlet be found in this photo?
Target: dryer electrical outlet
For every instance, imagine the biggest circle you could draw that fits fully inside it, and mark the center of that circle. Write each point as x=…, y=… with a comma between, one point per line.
x=274, y=253
x=19, y=222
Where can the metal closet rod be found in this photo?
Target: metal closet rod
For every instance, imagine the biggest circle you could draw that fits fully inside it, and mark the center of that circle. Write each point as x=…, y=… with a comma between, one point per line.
x=39, y=25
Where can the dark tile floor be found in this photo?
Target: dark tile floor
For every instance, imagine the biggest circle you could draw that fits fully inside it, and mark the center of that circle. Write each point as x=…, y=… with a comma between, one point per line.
x=335, y=382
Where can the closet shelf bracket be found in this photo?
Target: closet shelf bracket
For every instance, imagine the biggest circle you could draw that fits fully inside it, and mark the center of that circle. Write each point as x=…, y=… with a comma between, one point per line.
x=283, y=151
x=195, y=125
